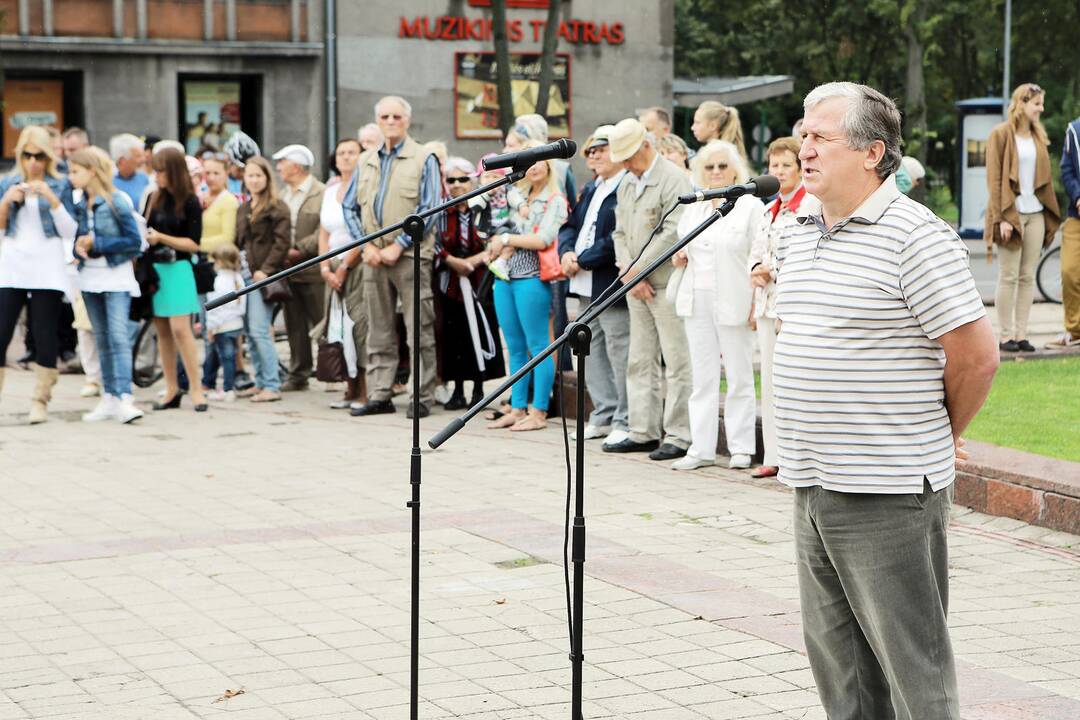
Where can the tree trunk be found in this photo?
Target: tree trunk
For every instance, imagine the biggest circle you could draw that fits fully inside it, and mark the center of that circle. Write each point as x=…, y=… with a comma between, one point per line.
x=547, y=60
x=915, y=94
x=502, y=63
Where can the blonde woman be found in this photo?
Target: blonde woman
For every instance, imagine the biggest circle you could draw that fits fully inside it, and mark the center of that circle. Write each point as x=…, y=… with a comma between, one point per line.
x=107, y=242
x=263, y=233
x=674, y=149
x=1022, y=212
x=716, y=121
x=523, y=301
x=713, y=298
x=38, y=229
x=219, y=215
x=784, y=164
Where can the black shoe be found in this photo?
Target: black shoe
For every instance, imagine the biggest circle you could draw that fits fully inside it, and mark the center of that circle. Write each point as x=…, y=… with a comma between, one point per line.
x=173, y=404
x=629, y=446
x=1009, y=346
x=202, y=407
x=375, y=407
x=291, y=385
x=456, y=402
x=1025, y=346
x=667, y=451
x=243, y=381
x=424, y=411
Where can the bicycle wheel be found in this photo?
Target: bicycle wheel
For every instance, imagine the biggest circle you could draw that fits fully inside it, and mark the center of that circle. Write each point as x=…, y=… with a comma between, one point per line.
x=145, y=360
x=1048, y=275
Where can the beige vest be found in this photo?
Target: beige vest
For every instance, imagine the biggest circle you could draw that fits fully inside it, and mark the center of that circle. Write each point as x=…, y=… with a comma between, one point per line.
x=402, y=193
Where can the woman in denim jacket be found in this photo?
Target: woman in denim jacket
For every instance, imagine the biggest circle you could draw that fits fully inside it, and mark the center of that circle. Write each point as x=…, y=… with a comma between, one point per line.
x=36, y=215
x=107, y=242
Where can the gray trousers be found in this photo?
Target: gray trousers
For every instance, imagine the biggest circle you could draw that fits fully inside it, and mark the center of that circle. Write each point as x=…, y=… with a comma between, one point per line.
x=655, y=329
x=874, y=591
x=605, y=368
x=383, y=286
x=302, y=313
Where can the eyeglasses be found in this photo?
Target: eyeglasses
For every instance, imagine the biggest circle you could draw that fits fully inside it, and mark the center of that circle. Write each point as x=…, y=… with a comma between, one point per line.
x=210, y=155
x=594, y=150
x=718, y=167
x=39, y=156
x=462, y=180
x=393, y=116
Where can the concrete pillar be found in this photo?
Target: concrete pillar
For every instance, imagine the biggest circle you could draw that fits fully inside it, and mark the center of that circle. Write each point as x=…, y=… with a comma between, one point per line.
x=295, y=24
x=230, y=19
x=24, y=17
x=47, y=16
x=140, y=19
x=208, y=19
x=118, y=18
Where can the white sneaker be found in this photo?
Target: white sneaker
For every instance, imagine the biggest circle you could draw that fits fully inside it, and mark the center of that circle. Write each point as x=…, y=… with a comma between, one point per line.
x=106, y=410
x=126, y=411
x=689, y=462
x=739, y=461
x=442, y=394
x=593, y=431
x=228, y=396
x=616, y=436
x=215, y=395
x=90, y=389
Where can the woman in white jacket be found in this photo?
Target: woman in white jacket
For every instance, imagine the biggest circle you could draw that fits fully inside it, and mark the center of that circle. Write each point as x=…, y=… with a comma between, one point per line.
x=713, y=298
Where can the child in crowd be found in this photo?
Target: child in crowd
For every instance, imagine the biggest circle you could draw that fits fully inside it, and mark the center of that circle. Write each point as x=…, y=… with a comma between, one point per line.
x=223, y=324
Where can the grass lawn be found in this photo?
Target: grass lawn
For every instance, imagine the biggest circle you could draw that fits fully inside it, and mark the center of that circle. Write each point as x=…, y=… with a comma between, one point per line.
x=1034, y=406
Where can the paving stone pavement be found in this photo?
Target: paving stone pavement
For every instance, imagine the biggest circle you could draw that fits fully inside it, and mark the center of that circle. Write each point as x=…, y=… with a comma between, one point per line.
x=155, y=570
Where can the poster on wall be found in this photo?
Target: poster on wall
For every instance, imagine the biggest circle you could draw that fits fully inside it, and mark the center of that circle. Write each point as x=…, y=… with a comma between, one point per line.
x=211, y=113
x=30, y=102
x=476, y=108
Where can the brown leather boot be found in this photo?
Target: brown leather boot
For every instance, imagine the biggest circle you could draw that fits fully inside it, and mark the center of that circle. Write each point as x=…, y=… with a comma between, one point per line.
x=39, y=399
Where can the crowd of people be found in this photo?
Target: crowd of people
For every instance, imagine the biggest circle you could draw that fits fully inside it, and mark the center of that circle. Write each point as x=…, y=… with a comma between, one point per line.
x=96, y=240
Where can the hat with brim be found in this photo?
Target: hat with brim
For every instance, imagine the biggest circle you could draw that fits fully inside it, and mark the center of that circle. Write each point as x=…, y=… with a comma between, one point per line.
x=625, y=139
x=296, y=153
x=599, y=138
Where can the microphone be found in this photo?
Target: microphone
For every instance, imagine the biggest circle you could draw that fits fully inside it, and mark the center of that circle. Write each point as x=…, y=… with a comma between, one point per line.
x=762, y=186
x=524, y=159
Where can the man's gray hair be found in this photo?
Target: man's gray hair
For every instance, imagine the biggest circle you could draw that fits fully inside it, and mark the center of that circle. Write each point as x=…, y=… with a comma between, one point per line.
x=870, y=117
x=122, y=145
x=399, y=100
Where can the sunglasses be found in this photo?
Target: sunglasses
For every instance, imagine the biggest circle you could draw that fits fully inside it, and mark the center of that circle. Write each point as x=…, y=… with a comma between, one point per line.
x=393, y=116
x=594, y=150
x=39, y=156
x=209, y=155
x=461, y=180
x=718, y=167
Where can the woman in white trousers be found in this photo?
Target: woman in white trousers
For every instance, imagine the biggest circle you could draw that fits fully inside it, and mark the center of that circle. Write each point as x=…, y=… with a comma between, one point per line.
x=784, y=164
x=713, y=298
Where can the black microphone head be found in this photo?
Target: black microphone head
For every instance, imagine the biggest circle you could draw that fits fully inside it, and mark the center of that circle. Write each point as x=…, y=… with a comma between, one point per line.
x=568, y=150
x=765, y=186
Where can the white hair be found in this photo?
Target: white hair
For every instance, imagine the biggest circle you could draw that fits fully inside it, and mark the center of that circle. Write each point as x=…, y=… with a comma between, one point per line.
x=166, y=144
x=370, y=127
x=122, y=145
x=870, y=117
x=734, y=158
x=399, y=100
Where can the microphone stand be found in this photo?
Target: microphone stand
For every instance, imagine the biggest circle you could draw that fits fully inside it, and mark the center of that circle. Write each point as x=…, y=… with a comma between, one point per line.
x=579, y=336
x=413, y=226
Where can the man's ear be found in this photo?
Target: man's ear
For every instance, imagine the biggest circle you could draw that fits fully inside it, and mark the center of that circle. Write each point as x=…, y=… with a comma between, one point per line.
x=874, y=154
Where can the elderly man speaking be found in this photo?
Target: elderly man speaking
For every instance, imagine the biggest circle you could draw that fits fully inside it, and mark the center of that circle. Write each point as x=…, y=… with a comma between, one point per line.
x=885, y=354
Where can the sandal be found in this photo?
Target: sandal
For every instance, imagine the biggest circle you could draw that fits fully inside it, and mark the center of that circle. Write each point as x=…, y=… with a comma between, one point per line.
x=535, y=420
x=506, y=421
x=764, y=471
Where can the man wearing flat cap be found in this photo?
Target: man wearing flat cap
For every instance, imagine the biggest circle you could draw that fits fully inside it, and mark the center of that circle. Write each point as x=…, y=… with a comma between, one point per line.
x=658, y=425
x=304, y=195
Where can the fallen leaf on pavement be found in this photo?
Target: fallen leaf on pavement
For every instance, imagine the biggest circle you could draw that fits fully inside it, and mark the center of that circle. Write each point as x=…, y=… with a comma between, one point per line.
x=230, y=694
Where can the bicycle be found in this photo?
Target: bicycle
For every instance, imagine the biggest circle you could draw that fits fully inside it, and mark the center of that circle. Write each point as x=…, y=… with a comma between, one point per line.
x=1048, y=274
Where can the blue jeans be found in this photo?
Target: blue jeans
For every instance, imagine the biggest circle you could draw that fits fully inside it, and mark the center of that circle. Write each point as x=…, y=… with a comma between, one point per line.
x=261, y=336
x=108, y=313
x=523, y=307
x=221, y=353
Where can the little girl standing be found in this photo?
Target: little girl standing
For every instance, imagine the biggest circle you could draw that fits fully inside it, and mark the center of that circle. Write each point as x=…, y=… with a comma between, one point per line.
x=224, y=324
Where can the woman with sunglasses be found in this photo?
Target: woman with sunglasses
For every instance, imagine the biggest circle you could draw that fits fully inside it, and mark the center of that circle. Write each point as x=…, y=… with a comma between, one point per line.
x=1022, y=212
x=713, y=297
x=38, y=230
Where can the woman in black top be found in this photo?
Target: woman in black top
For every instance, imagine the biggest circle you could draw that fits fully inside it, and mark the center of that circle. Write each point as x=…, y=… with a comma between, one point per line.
x=174, y=229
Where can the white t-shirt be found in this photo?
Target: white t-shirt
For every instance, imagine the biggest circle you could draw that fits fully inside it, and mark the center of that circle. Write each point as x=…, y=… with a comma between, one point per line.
x=1026, y=202
x=582, y=283
x=31, y=261
x=332, y=219
x=97, y=277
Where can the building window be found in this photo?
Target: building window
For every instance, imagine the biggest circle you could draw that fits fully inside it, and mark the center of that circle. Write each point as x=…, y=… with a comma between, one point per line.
x=38, y=99
x=476, y=108
x=213, y=107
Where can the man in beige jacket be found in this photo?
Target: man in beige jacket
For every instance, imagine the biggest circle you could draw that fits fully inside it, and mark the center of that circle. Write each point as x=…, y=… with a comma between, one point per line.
x=651, y=188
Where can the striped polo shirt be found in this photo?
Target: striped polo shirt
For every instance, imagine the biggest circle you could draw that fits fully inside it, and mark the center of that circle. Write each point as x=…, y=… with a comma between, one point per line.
x=858, y=372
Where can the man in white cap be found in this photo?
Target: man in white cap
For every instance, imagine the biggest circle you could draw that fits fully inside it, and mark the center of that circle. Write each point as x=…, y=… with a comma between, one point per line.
x=304, y=195
x=652, y=186
x=588, y=259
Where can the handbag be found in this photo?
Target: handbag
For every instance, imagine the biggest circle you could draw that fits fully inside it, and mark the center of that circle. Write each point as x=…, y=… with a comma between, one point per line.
x=550, y=266
x=276, y=292
x=205, y=274
x=330, y=364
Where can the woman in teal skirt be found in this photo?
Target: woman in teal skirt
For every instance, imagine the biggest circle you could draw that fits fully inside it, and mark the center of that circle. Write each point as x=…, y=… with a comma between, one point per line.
x=174, y=230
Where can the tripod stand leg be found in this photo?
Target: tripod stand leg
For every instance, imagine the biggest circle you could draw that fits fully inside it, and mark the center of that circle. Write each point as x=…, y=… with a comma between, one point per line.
x=580, y=339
